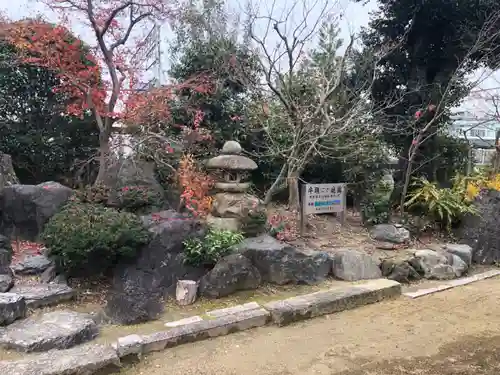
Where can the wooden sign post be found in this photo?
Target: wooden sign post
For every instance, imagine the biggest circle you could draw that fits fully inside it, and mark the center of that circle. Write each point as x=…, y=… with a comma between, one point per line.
x=321, y=199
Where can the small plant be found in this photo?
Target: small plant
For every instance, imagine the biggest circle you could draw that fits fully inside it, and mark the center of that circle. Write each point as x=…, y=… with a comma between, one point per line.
x=215, y=245
x=254, y=223
x=87, y=239
x=134, y=198
x=283, y=227
x=443, y=205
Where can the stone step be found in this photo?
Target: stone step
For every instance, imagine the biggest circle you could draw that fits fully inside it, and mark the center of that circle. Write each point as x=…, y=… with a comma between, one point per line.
x=12, y=307
x=85, y=359
x=54, y=330
x=331, y=301
x=41, y=295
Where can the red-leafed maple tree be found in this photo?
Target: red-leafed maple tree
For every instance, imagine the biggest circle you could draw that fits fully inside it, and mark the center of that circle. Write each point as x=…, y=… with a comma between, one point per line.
x=99, y=77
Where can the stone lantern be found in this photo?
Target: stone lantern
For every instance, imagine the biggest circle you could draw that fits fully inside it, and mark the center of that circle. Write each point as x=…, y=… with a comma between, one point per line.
x=232, y=204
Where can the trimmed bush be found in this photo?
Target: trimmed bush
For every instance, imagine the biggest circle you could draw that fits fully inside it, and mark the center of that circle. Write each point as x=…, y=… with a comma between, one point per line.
x=87, y=239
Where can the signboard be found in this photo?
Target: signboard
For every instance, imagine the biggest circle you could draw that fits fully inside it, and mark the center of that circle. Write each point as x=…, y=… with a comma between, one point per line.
x=324, y=198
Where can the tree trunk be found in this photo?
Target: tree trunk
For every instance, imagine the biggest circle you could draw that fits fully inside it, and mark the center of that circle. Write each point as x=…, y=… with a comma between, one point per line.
x=293, y=191
x=104, y=154
x=186, y=292
x=407, y=176
x=275, y=185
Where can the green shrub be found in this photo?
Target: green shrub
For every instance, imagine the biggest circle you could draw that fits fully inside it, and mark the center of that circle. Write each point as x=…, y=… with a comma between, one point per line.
x=95, y=194
x=135, y=198
x=215, y=245
x=88, y=239
x=376, y=207
x=254, y=224
x=444, y=206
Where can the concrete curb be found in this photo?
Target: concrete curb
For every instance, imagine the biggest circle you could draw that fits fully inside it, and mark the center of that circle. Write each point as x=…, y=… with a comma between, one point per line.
x=88, y=359
x=452, y=284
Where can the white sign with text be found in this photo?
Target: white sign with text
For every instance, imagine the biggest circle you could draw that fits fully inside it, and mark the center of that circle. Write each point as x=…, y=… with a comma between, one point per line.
x=324, y=198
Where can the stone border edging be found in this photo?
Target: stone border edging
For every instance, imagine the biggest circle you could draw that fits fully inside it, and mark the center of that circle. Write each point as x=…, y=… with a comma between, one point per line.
x=90, y=358
x=452, y=284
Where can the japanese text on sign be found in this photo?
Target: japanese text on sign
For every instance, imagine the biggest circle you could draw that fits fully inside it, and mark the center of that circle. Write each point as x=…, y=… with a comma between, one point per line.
x=324, y=198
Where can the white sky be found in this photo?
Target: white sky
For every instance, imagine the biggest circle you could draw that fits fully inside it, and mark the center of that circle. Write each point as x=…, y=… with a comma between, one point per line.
x=354, y=16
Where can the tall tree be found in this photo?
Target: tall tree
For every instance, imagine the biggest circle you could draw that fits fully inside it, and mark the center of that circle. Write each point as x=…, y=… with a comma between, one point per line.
x=438, y=44
x=45, y=143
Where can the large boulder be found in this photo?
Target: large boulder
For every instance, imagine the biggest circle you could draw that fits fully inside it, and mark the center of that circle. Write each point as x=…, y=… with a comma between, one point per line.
x=281, y=263
x=482, y=231
x=390, y=233
x=438, y=265
x=31, y=264
x=131, y=173
x=25, y=209
x=12, y=307
x=398, y=267
x=139, y=286
x=351, y=265
x=232, y=273
x=8, y=176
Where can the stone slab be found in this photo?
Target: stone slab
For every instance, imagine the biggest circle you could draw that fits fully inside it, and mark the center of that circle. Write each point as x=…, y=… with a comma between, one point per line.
x=331, y=301
x=182, y=322
x=53, y=330
x=12, y=307
x=31, y=265
x=453, y=284
x=81, y=360
x=233, y=310
x=128, y=345
x=44, y=294
x=205, y=329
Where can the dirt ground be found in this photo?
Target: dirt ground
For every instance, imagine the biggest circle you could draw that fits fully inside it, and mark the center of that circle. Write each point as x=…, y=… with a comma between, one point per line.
x=456, y=332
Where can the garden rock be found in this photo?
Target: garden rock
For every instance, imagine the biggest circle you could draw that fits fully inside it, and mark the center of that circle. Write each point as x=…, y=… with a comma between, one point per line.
x=390, y=233
x=25, y=209
x=281, y=263
x=138, y=287
x=8, y=176
x=5, y=252
x=462, y=251
x=31, y=265
x=438, y=265
x=54, y=330
x=399, y=269
x=482, y=231
x=12, y=307
x=49, y=274
x=232, y=273
x=40, y=295
x=352, y=265
x=80, y=360
x=6, y=280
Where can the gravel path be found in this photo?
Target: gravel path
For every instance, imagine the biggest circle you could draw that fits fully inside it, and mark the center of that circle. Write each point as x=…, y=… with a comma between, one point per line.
x=453, y=332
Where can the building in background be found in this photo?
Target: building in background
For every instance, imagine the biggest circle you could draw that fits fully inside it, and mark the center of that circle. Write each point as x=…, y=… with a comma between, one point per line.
x=478, y=131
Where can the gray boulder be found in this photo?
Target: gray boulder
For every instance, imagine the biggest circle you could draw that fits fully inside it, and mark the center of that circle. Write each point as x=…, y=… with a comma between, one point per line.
x=351, y=265
x=232, y=273
x=12, y=307
x=31, y=264
x=53, y=330
x=139, y=286
x=25, y=209
x=6, y=280
x=5, y=252
x=399, y=270
x=438, y=265
x=41, y=295
x=390, y=233
x=462, y=251
x=281, y=263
